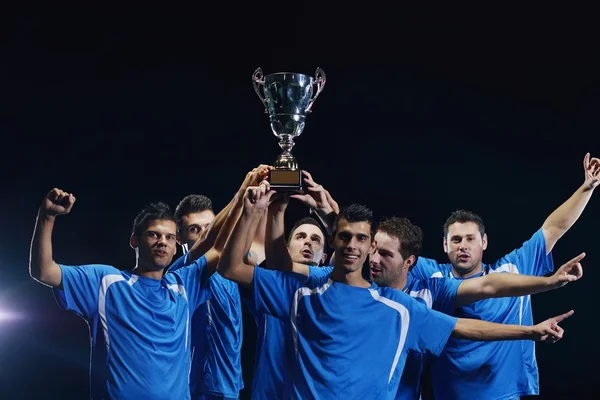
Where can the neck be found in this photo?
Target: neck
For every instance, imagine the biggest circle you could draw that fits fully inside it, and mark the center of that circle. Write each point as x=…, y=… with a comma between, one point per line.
x=351, y=278
x=400, y=284
x=467, y=274
x=141, y=271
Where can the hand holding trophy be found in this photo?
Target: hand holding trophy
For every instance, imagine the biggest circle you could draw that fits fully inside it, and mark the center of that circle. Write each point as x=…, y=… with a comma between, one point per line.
x=288, y=98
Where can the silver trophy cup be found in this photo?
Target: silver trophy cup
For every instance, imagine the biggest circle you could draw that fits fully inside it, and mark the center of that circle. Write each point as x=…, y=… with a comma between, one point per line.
x=288, y=98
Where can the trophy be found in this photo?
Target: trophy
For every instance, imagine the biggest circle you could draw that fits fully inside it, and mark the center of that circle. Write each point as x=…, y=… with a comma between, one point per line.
x=288, y=98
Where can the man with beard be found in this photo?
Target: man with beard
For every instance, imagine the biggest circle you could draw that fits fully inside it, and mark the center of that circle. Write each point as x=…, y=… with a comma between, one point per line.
x=397, y=248
x=332, y=319
x=499, y=370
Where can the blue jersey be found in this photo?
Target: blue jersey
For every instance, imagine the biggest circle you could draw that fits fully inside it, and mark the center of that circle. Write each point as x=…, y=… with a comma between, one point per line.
x=271, y=358
x=348, y=342
x=438, y=294
x=491, y=370
x=217, y=334
x=139, y=327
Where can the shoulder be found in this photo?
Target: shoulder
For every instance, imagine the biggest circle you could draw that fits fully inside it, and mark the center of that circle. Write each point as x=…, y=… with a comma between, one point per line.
x=385, y=295
x=427, y=267
x=95, y=269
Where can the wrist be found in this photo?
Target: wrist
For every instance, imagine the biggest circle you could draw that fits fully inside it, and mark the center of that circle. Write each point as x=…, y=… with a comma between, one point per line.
x=552, y=282
x=588, y=186
x=531, y=332
x=44, y=216
x=323, y=212
x=253, y=211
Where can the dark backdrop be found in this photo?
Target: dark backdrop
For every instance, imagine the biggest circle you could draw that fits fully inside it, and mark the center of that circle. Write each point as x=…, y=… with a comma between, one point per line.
x=424, y=111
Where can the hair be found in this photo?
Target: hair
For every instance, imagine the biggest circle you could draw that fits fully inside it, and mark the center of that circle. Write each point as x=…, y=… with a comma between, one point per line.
x=153, y=211
x=305, y=221
x=193, y=203
x=354, y=213
x=409, y=235
x=462, y=217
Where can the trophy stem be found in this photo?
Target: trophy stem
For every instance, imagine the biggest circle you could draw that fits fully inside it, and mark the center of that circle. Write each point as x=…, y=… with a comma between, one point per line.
x=286, y=160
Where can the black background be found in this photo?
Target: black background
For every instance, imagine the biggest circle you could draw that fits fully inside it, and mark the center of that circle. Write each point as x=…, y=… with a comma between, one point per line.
x=425, y=110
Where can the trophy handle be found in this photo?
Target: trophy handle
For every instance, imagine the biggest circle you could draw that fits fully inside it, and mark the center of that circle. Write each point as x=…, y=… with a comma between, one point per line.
x=258, y=82
x=320, y=83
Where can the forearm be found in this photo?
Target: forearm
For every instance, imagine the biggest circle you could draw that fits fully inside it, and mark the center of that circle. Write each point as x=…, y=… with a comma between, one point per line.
x=502, y=285
x=326, y=217
x=202, y=246
x=563, y=218
x=41, y=264
x=477, y=330
x=276, y=251
x=255, y=243
x=231, y=264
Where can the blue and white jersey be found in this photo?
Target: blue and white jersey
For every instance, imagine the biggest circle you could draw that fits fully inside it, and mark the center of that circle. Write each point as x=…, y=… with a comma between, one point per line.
x=139, y=327
x=491, y=370
x=348, y=342
x=271, y=358
x=217, y=334
x=435, y=293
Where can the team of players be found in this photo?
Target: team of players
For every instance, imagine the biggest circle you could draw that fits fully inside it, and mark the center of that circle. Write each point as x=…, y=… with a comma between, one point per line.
x=173, y=330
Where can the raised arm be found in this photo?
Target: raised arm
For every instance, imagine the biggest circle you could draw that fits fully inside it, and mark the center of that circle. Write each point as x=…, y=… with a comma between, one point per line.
x=255, y=242
x=277, y=254
x=234, y=263
x=563, y=218
x=213, y=255
x=515, y=285
x=477, y=330
x=252, y=179
x=42, y=266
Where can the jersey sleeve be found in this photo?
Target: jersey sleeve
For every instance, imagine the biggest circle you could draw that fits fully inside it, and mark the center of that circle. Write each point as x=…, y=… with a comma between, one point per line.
x=428, y=330
x=81, y=285
x=196, y=281
x=183, y=261
x=529, y=259
x=319, y=272
x=274, y=290
x=443, y=292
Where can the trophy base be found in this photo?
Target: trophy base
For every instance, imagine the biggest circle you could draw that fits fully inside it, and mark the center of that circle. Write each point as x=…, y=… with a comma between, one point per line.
x=286, y=180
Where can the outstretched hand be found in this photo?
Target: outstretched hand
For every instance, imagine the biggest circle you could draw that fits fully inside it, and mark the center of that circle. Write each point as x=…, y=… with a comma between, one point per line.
x=316, y=197
x=549, y=331
x=57, y=202
x=592, y=171
x=569, y=271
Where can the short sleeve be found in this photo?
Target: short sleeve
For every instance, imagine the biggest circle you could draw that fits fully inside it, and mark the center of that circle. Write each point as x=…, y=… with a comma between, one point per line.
x=196, y=281
x=81, y=287
x=273, y=291
x=529, y=259
x=318, y=272
x=183, y=261
x=444, y=292
x=429, y=330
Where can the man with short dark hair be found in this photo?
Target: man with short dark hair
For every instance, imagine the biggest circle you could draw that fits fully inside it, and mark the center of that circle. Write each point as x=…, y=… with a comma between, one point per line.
x=498, y=370
x=397, y=249
x=332, y=318
x=138, y=319
x=217, y=328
